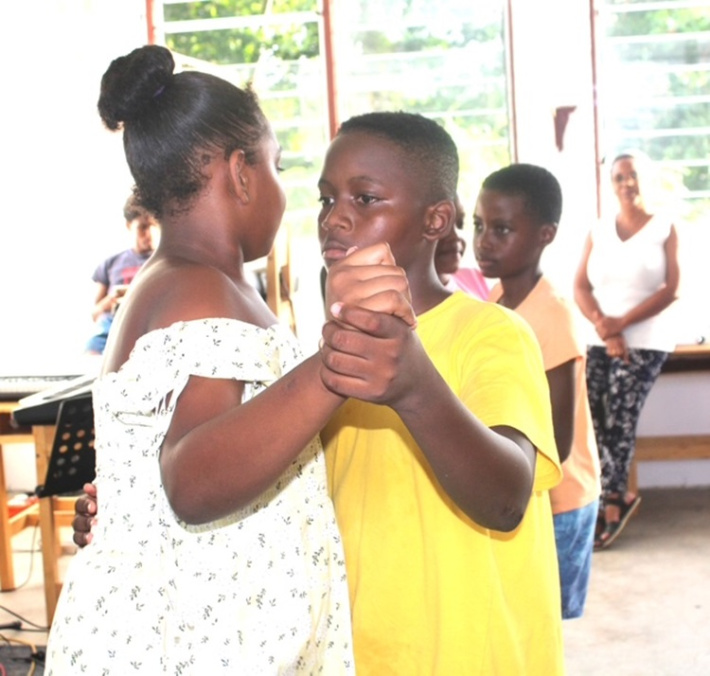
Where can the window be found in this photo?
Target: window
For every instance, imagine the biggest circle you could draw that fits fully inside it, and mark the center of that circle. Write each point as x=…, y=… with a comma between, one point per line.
x=446, y=60
x=654, y=84
x=314, y=64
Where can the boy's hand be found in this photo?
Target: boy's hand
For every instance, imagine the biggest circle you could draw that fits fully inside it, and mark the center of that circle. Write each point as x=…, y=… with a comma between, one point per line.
x=369, y=278
x=376, y=362
x=85, y=510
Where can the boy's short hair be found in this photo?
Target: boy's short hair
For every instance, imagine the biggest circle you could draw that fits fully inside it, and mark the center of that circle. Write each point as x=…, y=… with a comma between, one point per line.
x=432, y=150
x=132, y=209
x=540, y=189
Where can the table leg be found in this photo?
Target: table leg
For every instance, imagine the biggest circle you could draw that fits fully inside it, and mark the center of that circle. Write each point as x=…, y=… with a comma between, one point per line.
x=44, y=438
x=7, y=569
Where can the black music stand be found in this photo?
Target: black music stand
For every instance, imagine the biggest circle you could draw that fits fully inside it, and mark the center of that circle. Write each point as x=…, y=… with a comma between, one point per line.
x=72, y=462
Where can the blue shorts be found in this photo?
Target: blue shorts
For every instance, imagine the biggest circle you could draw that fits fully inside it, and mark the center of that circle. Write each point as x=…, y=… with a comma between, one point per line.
x=574, y=535
x=97, y=342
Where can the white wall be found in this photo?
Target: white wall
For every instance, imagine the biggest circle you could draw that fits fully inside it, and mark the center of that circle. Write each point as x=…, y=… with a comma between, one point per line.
x=65, y=179
x=552, y=68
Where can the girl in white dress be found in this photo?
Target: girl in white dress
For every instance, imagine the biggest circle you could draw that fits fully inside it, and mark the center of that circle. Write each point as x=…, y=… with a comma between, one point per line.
x=217, y=549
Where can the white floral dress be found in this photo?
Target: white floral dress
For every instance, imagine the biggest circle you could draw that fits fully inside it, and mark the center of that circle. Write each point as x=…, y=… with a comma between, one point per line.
x=260, y=592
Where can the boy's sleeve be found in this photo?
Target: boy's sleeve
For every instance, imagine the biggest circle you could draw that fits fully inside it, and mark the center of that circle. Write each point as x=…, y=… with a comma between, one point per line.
x=505, y=384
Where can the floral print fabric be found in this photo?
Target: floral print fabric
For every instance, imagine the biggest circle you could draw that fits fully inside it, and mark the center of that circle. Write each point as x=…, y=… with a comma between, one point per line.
x=262, y=591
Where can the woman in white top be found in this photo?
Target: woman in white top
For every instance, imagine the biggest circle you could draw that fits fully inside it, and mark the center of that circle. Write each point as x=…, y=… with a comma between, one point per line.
x=627, y=277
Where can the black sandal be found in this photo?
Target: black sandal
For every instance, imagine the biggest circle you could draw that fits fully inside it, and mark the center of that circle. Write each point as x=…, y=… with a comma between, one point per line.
x=612, y=529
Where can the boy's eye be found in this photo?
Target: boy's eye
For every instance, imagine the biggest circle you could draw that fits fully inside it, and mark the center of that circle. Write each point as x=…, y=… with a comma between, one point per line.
x=367, y=199
x=325, y=201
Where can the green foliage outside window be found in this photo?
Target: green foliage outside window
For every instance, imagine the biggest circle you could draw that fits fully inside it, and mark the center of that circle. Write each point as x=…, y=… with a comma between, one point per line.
x=656, y=91
x=445, y=60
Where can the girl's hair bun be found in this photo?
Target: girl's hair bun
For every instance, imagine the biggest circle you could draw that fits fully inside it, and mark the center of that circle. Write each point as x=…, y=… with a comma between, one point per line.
x=133, y=84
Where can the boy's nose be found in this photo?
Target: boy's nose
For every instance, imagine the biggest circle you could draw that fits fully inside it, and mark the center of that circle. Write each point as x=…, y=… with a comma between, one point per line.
x=481, y=239
x=333, y=218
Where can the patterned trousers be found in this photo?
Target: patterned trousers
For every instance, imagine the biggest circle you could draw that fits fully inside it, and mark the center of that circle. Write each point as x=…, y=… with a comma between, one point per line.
x=617, y=392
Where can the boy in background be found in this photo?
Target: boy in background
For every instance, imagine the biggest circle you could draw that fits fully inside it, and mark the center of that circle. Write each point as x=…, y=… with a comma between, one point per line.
x=516, y=217
x=112, y=277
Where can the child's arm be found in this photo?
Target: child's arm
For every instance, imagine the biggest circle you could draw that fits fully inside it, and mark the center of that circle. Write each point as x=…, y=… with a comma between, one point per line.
x=562, y=382
x=488, y=472
x=219, y=454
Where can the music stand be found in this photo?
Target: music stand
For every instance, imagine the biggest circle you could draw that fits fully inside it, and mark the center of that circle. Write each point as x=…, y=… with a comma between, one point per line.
x=72, y=462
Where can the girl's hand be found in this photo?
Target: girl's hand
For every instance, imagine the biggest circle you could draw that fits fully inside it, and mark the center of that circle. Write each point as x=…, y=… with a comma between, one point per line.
x=370, y=356
x=369, y=278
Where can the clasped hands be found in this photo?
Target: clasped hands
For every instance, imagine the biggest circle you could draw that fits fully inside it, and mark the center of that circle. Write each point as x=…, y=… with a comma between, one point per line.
x=368, y=336
x=609, y=329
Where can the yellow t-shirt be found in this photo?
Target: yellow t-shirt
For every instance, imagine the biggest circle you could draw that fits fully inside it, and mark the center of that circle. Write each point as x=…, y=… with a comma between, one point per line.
x=432, y=592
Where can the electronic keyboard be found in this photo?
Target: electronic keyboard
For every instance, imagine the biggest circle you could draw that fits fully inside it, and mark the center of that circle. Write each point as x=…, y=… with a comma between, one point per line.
x=42, y=407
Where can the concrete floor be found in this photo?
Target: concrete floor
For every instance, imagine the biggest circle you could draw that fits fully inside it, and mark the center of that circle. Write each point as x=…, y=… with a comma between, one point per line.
x=648, y=611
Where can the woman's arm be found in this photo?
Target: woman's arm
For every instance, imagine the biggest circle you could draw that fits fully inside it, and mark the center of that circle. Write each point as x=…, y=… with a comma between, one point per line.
x=583, y=293
x=219, y=454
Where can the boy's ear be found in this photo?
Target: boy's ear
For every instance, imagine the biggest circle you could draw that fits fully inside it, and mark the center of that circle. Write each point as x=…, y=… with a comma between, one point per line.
x=440, y=219
x=238, y=176
x=548, y=231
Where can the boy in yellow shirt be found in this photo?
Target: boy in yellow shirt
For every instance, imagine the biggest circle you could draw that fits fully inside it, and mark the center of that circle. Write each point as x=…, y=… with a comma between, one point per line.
x=440, y=481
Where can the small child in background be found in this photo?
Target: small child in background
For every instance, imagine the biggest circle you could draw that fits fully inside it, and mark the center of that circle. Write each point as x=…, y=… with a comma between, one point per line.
x=516, y=217
x=449, y=252
x=112, y=277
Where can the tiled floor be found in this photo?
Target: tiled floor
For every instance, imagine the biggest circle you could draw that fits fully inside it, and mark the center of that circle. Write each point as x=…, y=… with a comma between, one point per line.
x=648, y=613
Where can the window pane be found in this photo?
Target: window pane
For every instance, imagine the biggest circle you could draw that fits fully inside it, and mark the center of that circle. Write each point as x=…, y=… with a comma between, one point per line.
x=655, y=90
x=446, y=60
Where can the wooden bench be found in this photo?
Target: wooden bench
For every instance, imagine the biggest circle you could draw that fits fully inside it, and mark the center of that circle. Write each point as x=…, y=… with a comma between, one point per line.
x=685, y=358
x=669, y=448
